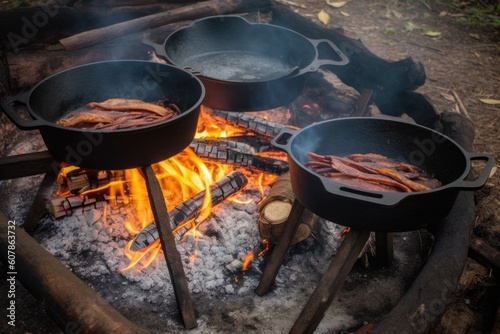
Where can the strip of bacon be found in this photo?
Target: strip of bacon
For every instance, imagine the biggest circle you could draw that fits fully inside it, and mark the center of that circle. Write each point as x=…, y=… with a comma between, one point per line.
x=83, y=117
x=131, y=104
x=405, y=176
x=353, y=172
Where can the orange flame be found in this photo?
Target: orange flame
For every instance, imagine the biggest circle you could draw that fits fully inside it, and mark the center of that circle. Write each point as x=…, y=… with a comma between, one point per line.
x=247, y=260
x=344, y=232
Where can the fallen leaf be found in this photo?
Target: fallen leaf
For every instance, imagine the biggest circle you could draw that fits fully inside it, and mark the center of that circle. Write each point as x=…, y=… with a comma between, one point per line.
x=410, y=26
x=336, y=4
x=476, y=36
x=432, y=33
x=443, y=13
x=490, y=101
x=323, y=17
x=397, y=14
x=345, y=13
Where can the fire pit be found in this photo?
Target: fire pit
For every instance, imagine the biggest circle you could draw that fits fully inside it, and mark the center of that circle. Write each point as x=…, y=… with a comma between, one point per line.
x=92, y=245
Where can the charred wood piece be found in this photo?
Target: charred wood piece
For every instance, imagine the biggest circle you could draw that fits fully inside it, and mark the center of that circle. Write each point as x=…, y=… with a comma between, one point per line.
x=244, y=121
x=190, y=209
x=227, y=155
x=239, y=146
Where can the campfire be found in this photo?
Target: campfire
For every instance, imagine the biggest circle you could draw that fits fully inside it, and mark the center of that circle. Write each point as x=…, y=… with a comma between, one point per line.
x=219, y=217
x=228, y=152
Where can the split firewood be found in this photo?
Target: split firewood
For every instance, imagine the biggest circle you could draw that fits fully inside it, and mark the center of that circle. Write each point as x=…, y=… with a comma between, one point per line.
x=244, y=121
x=65, y=206
x=225, y=154
x=191, y=208
x=80, y=180
x=275, y=208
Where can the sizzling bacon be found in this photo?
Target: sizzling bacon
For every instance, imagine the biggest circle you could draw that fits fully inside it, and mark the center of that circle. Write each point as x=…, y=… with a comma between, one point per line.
x=118, y=114
x=131, y=104
x=372, y=172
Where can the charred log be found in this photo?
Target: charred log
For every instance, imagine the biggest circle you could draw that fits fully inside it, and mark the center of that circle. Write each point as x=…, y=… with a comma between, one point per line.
x=248, y=122
x=236, y=158
x=191, y=208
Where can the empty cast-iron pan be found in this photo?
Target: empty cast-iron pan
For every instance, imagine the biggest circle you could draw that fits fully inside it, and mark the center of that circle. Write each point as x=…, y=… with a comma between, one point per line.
x=245, y=66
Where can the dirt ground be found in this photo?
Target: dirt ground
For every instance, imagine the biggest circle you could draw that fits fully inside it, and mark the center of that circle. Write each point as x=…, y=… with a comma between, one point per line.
x=459, y=45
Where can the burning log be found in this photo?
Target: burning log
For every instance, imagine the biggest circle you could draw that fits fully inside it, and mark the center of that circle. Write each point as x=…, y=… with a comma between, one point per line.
x=228, y=155
x=191, y=208
x=275, y=208
x=239, y=146
x=245, y=121
x=190, y=12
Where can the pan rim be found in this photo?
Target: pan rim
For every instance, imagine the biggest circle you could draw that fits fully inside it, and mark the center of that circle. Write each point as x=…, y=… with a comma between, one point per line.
x=174, y=119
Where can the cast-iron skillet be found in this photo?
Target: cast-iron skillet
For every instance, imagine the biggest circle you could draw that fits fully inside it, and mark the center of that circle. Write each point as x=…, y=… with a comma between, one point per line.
x=360, y=209
x=245, y=66
x=73, y=88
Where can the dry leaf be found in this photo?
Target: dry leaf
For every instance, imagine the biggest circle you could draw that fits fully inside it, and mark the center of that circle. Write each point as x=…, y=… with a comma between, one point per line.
x=476, y=36
x=323, y=17
x=336, y=4
x=344, y=13
x=490, y=101
x=397, y=14
x=432, y=33
x=448, y=97
x=443, y=13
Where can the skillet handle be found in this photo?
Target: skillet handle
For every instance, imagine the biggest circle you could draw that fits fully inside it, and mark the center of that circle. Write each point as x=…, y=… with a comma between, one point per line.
x=380, y=198
x=21, y=123
x=282, y=140
x=158, y=48
x=483, y=176
x=320, y=62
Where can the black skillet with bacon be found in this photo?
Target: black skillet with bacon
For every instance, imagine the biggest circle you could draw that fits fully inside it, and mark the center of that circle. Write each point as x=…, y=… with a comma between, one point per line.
x=326, y=158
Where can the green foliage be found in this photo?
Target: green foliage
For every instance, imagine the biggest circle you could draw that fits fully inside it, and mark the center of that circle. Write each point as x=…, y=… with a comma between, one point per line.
x=480, y=13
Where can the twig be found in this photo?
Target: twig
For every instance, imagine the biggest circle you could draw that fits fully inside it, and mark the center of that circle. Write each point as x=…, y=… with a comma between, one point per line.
x=460, y=104
x=425, y=46
x=290, y=3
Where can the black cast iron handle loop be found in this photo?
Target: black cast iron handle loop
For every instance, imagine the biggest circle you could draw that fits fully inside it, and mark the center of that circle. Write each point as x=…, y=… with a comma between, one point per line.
x=379, y=198
x=7, y=107
x=282, y=140
x=483, y=176
x=317, y=63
